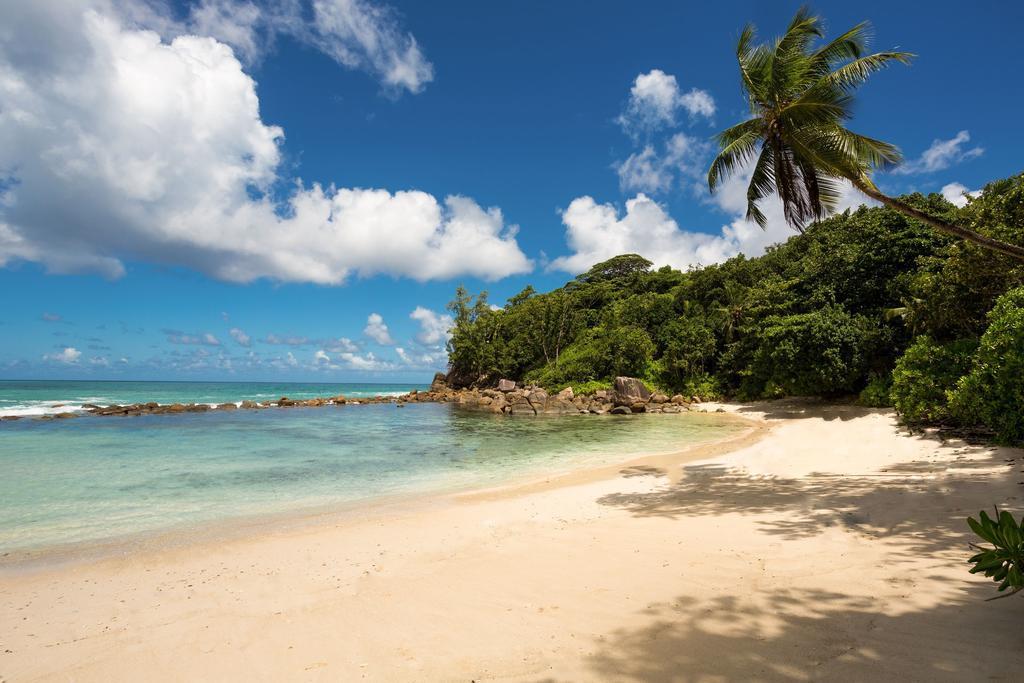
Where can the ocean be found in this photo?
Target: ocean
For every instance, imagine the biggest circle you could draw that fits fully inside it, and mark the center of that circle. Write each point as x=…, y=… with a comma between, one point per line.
x=80, y=481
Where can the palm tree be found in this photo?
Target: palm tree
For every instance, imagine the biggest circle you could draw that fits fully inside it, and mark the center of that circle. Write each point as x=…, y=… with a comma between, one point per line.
x=800, y=95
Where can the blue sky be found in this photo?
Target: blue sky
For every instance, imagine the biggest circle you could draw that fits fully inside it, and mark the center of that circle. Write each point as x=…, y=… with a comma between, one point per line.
x=161, y=220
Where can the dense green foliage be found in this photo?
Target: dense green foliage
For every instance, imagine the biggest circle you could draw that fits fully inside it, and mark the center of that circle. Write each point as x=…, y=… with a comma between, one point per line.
x=1003, y=562
x=992, y=393
x=829, y=312
x=926, y=374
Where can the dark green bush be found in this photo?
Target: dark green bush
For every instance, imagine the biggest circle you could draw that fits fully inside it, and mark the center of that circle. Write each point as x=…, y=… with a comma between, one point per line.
x=925, y=374
x=992, y=393
x=819, y=353
x=878, y=392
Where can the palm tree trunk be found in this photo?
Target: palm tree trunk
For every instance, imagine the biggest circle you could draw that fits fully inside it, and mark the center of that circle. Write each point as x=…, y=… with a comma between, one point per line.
x=1012, y=250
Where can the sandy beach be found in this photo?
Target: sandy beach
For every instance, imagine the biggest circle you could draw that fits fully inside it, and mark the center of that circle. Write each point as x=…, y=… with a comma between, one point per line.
x=826, y=544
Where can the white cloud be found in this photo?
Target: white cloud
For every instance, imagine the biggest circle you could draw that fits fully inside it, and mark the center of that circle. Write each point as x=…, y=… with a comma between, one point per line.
x=596, y=232
x=436, y=359
x=957, y=193
x=99, y=362
x=240, y=336
x=377, y=330
x=204, y=339
x=941, y=155
x=277, y=340
x=435, y=328
x=362, y=35
x=341, y=344
x=354, y=33
x=69, y=355
x=321, y=357
x=239, y=24
x=646, y=171
x=158, y=153
x=51, y=317
x=655, y=100
x=368, y=362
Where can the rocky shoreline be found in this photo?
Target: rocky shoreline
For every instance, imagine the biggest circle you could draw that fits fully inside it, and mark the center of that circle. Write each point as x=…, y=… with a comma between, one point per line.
x=628, y=396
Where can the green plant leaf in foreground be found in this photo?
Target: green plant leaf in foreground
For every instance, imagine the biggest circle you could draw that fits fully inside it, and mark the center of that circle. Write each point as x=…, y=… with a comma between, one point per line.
x=1004, y=562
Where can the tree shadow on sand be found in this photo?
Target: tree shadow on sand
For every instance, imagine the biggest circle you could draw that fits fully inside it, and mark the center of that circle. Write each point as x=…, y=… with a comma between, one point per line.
x=813, y=635
x=948, y=633
x=898, y=501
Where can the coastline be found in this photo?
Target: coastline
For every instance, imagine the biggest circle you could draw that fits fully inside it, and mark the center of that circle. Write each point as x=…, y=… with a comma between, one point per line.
x=211, y=533
x=831, y=546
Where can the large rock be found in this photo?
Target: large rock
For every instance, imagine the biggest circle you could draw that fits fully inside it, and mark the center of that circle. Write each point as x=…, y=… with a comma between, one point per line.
x=520, y=406
x=506, y=385
x=440, y=382
x=566, y=394
x=559, y=406
x=630, y=390
x=538, y=398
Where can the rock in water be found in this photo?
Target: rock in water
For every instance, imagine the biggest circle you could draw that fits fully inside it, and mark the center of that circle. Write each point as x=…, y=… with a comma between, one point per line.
x=566, y=394
x=629, y=391
x=440, y=382
x=506, y=385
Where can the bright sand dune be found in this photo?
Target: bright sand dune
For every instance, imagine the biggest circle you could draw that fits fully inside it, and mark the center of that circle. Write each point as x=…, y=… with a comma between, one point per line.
x=831, y=549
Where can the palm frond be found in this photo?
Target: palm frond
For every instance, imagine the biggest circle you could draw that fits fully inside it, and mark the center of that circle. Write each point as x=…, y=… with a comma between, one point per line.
x=762, y=184
x=854, y=74
x=738, y=145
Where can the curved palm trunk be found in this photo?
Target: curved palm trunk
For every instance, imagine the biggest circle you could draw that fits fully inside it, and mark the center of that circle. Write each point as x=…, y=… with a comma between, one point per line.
x=1013, y=250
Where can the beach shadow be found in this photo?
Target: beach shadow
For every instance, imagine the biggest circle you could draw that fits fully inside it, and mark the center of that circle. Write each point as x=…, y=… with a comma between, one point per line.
x=814, y=635
x=923, y=504
x=808, y=408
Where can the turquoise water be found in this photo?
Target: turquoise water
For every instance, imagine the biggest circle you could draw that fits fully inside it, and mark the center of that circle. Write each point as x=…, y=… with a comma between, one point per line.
x=42, y=397
x=73, y=481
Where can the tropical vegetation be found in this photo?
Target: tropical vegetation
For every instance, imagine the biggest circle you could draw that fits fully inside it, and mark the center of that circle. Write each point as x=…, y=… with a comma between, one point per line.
x=800, y=96
x=870, y=303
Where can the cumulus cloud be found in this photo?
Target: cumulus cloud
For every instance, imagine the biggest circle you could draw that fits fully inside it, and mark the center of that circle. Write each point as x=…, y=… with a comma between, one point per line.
x=355, y=361
x=435, y=328
x=341, y=344
x=279, y=340
x=69, y=355
x=941, y=155
x=158, y=153
x=436, y=359
x=596, y=232
x=650, y=172
x=957, y=193
x=240, y=336
x=655, y=100
x=178, y=337
x=357, y=34
x=99, y=362
x=321, y=357
x=377, y=330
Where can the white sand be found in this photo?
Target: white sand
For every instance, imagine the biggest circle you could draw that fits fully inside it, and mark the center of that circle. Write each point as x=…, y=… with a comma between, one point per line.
x=832, y=549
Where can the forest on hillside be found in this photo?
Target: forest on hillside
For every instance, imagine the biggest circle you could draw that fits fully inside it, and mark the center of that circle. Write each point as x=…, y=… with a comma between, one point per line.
x=868, y=303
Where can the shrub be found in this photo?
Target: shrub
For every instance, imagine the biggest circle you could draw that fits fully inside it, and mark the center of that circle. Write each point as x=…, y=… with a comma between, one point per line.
x=924, y=375
x=877, y=394
x=992, y=393
x=819, y=353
